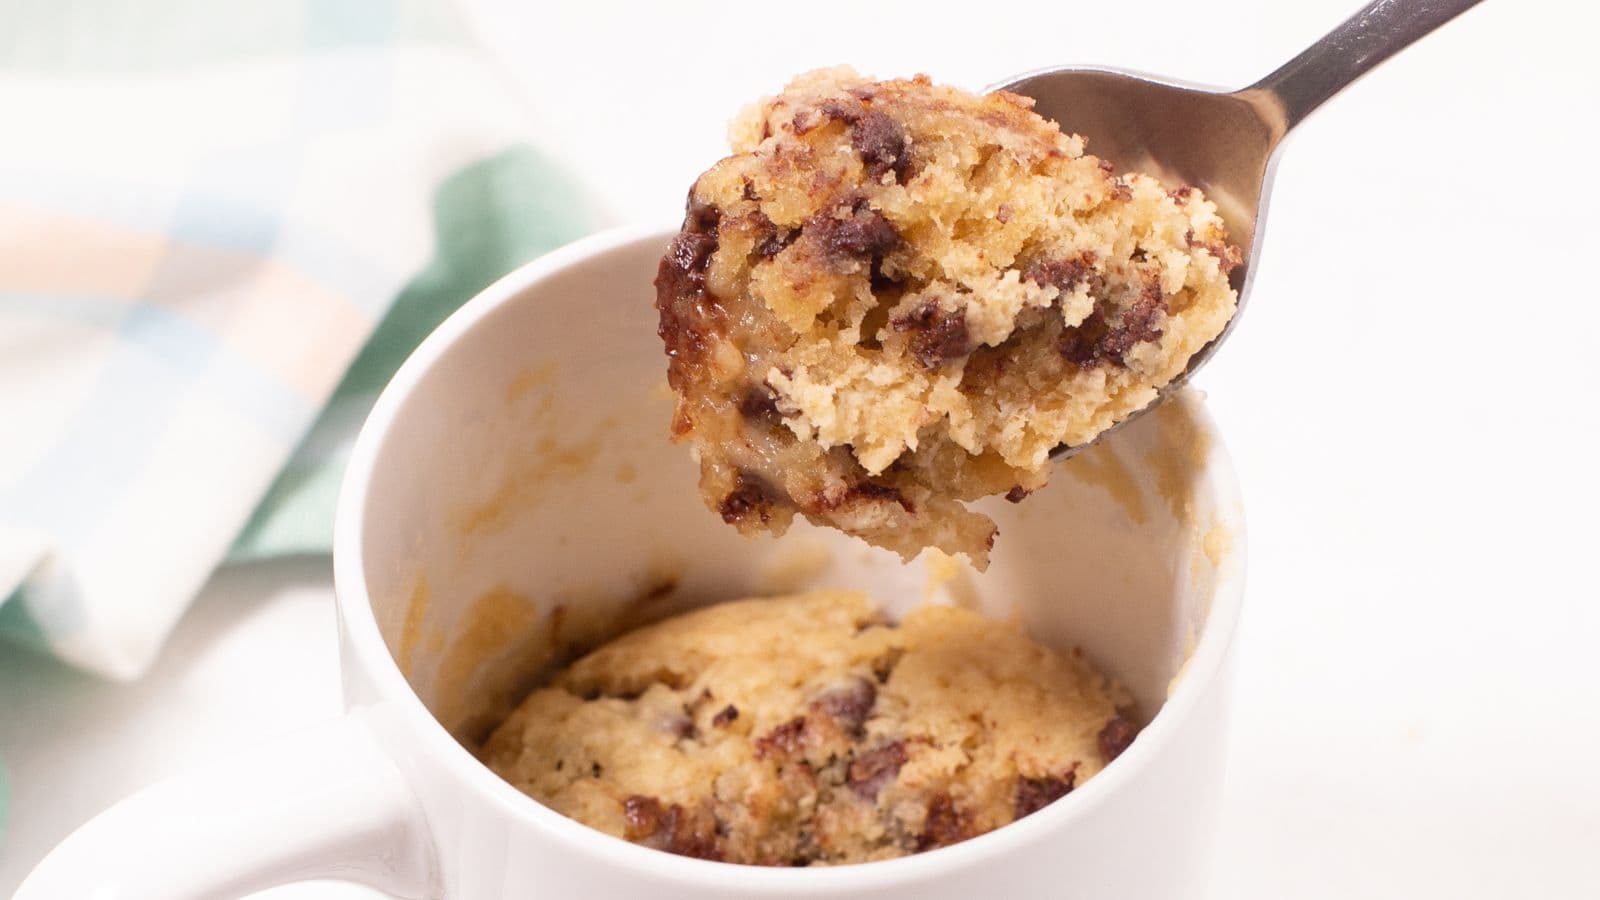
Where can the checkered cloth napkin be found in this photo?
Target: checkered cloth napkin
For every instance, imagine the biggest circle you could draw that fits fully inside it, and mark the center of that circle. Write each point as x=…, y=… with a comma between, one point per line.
x=222, y=227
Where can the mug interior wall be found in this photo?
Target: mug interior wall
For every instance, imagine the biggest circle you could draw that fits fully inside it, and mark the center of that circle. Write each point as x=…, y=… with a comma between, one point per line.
x=528, y=504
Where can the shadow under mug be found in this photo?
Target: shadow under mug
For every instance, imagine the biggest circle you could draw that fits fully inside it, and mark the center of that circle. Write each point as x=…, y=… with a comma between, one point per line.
x=514, y=499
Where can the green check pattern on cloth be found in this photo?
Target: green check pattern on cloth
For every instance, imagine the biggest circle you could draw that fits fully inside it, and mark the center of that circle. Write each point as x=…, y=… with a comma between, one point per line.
x=222, y=228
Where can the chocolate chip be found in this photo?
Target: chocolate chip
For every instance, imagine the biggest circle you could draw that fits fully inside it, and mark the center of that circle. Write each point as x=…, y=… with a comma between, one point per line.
x=750, y=496
x=836, y=109
x=725, y=716
x=937, y=335
x=774, y=244
x=870, y=771
x=770, y=239
x=1228, y=256
x=849, y=703
x=944, y=825
x=670, y=828
x=1017, y=494
x=1065, y=274
x=687, y=316
x=690, y=834
x=882, y=145
x=1100, y=339
x=1116, y=737
x=687, y=256
x=837, y=497
x=871, y=490
x=642, y=815
x=865, y=233
x=700, y=215
x=759, y=405
x=1081, y=344
x=785, y=739
x=1034, y=794
x=844, y=110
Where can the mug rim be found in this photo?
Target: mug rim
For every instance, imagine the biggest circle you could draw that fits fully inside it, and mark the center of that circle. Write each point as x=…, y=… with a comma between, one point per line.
x=367, y=650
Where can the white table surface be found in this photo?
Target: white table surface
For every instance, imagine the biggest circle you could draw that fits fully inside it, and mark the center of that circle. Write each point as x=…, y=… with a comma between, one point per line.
x=1418, y=702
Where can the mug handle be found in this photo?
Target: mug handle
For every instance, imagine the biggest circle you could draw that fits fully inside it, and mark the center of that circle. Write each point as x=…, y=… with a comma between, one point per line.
x=326, y=802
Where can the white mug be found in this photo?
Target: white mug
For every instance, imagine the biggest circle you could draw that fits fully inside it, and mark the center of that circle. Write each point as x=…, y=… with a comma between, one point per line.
x=514, y=498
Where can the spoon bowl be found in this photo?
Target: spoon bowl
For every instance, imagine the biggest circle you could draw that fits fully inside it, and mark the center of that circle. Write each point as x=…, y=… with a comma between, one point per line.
x=1226, y=143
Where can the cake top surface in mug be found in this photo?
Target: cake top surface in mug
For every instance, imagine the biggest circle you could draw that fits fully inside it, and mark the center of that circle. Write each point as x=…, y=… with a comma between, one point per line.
x=809, y=730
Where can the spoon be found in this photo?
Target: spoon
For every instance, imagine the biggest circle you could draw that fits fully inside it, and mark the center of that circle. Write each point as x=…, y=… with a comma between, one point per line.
x=1224, y=142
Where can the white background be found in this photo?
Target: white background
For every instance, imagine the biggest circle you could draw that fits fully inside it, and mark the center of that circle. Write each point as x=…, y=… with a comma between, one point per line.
x=1407, y=401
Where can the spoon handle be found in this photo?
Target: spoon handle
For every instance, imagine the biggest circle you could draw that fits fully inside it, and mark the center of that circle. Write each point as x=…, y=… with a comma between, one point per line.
x=1379, y=31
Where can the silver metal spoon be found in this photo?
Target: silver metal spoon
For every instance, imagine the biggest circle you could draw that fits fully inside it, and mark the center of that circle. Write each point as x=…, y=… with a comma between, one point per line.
x=1224, y=142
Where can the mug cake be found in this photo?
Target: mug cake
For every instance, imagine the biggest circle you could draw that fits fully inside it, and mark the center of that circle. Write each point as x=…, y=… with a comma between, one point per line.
x=810, y=730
